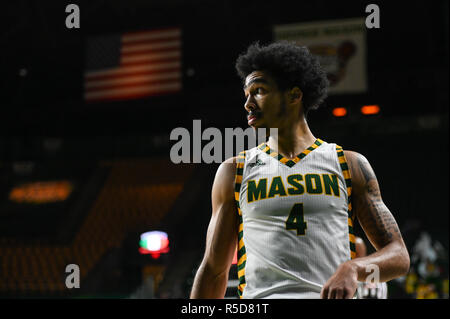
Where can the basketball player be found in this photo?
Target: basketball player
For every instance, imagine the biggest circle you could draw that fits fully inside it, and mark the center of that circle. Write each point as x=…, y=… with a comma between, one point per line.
x=289, y=205
x=368, y=290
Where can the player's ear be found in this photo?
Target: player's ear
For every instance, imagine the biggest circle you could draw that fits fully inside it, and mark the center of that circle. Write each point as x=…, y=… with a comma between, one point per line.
x=295, y=95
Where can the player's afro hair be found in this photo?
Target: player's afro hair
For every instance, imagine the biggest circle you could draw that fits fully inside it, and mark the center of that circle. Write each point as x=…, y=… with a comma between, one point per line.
x=290, y=65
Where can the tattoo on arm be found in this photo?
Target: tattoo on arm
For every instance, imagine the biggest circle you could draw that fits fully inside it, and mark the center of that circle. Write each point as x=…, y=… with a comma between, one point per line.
x=373, y=214
x=368, y=173
x=370, y=180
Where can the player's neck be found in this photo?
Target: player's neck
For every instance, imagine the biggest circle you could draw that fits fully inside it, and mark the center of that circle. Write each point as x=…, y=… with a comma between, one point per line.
x=292, y=139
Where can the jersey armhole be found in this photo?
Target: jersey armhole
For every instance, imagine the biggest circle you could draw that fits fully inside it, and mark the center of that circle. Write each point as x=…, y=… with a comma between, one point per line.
x=348, y=183
x=240, y=161
x=241, y=253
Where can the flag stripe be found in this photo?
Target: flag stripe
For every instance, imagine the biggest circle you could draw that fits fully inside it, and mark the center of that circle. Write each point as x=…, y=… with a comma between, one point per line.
x=151, y=50
x=173, y=40
x=137, y=91
x=151, y=46
x=150, y=35
x=109, y=77
x=151, y=55
x=132, y=69
x=147, y=78
x=154, y=62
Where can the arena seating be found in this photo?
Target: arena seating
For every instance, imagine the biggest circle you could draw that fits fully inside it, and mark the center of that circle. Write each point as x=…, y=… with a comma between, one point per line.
x=135, y=196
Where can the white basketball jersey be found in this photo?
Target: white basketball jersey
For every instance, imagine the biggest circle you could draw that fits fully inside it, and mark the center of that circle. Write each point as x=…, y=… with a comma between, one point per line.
x=296, y=224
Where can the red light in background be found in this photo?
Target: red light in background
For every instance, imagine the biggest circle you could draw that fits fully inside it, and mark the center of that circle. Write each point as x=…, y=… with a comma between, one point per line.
x=370, y=109
x=339, y=111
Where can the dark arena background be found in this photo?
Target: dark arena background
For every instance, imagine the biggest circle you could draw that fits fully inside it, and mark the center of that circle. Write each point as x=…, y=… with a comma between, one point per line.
x=87, y=107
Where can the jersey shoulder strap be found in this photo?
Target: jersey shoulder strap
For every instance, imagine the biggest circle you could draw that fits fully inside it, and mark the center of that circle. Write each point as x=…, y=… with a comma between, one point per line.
x=348, y=181
x=241, y=253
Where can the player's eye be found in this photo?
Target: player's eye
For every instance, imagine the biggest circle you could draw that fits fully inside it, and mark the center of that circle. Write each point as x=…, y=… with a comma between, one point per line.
x=260, y=90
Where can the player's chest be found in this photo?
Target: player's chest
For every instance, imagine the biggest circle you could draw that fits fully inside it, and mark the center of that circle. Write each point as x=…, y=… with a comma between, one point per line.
x=276, y=191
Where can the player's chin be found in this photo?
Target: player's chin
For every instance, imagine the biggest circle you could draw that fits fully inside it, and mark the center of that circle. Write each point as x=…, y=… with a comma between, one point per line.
x=257, y=124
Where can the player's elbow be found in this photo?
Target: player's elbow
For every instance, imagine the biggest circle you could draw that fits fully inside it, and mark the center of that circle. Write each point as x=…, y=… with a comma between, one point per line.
x=216, y=270
x=406, y=262
x=211, y=270
x=403, y=259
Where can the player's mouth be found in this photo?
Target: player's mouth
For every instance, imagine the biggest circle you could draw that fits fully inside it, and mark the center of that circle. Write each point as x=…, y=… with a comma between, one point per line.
x=253, y=116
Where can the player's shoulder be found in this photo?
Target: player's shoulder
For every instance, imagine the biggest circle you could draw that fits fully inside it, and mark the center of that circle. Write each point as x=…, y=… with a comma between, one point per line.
x=227, y=169
x=354, y=157
x=224, y=181
x=232, y=161
x=360, y=169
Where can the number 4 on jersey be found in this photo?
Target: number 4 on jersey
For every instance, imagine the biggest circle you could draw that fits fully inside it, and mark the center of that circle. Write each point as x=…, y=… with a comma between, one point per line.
x=296, y=220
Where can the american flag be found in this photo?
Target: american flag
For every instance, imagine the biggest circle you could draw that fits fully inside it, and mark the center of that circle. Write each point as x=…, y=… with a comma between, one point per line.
x=133, y=65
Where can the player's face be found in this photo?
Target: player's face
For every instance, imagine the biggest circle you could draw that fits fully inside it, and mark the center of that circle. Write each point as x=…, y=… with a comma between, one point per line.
x=265, y=103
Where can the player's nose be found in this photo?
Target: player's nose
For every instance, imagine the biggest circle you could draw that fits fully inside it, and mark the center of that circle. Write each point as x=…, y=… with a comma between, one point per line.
x=250, y=104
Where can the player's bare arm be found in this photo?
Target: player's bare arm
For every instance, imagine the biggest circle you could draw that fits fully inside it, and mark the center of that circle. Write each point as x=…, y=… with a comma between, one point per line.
x=381, y=229
x=221, y=239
